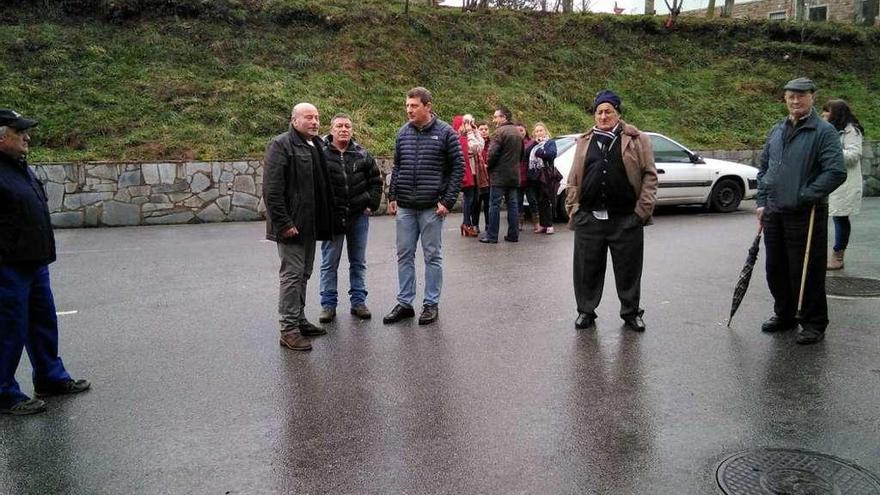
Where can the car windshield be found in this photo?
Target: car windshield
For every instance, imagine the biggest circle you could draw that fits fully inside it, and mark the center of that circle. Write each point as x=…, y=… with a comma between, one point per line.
x=563, y=143
x=665, y=151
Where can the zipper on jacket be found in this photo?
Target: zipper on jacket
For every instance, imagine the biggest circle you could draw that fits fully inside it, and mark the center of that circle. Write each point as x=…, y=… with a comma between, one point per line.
x=345, y=181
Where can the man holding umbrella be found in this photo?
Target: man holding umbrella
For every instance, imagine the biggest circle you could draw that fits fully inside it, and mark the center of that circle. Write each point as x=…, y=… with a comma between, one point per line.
x=801, y=164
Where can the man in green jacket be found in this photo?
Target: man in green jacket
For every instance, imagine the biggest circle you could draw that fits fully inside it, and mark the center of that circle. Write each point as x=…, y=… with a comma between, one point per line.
x=801, y=164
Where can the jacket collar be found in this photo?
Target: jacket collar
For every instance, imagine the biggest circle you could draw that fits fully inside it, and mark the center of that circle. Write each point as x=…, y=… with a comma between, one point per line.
x=811, y=121
x=12, y=162
x=628, y=132
x=427, y=126
x=352, y=144
x=298, y=140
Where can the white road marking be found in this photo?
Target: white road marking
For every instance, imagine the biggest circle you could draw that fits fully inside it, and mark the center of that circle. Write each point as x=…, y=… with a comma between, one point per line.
x=86, y=251
x=62, y=313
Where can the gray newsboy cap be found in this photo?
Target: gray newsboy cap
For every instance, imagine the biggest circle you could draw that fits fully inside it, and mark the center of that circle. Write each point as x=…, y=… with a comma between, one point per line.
x=800, y=84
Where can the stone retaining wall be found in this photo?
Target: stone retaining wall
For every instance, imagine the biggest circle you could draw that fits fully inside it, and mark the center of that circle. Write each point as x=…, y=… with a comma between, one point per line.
x=116, y=194
x=870, y=163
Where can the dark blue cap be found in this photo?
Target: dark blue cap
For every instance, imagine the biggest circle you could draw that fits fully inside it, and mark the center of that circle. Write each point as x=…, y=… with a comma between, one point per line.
x=11, y=118
x=606, y=96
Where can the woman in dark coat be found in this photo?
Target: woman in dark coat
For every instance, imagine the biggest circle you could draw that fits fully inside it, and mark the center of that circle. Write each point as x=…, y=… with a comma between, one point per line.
x=543, y=179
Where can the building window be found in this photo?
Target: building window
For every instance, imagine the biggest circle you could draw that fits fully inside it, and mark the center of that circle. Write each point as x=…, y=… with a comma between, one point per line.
x=777, y=16
x=819, y=13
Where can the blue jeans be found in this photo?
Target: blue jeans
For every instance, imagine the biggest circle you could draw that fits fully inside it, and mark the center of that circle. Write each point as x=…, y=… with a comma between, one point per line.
x=331, y=252
x=842, y=228
x=412, y=224
x=495, y=195
x=27, y=321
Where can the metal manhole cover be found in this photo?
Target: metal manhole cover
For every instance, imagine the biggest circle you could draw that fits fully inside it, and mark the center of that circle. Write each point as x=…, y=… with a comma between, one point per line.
x=852, y=286
x=792, y=472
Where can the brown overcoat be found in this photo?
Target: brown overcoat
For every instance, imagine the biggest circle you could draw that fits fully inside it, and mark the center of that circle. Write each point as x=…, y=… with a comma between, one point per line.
x=638, y=160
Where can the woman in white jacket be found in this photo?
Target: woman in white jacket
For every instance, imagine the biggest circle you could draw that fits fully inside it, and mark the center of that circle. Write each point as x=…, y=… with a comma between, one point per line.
x=847, y=198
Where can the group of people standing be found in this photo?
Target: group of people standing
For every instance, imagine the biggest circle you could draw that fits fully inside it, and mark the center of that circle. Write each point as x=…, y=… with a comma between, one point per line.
x=508, y=167
x=610, y=197
x=327, y=188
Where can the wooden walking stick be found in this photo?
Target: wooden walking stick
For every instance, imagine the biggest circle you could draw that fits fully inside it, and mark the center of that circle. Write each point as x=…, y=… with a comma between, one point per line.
x=806, y=259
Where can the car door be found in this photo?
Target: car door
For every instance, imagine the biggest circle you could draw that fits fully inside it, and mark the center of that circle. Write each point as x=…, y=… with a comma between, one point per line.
x=680, y=180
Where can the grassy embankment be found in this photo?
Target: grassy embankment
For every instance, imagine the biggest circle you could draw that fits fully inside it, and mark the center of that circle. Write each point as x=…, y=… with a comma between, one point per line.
x=215, y=80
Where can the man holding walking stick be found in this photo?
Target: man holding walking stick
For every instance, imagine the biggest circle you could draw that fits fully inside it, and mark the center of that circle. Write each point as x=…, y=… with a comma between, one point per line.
x=802, y=163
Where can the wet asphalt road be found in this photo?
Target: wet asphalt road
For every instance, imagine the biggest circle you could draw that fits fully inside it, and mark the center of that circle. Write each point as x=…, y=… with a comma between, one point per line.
x=176, y=327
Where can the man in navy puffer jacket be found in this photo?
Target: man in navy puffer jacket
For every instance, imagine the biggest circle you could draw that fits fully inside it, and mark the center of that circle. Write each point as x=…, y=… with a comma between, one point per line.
x=425, y=182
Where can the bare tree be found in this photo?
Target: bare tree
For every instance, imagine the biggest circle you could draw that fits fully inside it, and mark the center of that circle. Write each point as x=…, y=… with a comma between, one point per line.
x=674, y=11
x=649, y=7
x=727, y=10
x=567, y=5
x=710, y=10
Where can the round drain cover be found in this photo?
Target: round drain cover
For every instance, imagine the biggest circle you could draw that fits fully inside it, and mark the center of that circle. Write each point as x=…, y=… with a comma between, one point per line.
x=793, y=472
x=852, y=286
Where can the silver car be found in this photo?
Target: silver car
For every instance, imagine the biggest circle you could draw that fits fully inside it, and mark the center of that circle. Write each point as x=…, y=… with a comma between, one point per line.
x=685, y=177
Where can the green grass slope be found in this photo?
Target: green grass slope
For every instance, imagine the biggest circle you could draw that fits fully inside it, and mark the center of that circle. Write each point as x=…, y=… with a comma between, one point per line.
x=175, y=79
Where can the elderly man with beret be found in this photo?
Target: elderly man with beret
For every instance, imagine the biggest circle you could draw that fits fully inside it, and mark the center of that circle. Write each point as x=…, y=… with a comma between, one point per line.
x=612, y=189
x=27, y=308
x=802, y=163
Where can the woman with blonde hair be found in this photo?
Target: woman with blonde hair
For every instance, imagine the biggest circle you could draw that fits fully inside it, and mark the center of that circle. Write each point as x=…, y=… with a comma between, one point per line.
x=543, y=179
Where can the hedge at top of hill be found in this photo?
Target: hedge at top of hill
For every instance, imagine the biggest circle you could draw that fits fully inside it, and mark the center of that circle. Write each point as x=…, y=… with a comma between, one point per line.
x=337, y=14
x=214, y=79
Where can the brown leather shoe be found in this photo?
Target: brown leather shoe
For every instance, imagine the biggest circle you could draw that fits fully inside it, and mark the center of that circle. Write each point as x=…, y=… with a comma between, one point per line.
x=361, y=312
x=295, y=342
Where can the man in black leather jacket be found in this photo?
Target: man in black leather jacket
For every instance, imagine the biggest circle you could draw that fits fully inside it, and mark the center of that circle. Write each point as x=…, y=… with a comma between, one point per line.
x=299, y=211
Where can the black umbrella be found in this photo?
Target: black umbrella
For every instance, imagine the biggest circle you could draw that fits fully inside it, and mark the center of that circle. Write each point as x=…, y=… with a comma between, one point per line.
x=745, y=276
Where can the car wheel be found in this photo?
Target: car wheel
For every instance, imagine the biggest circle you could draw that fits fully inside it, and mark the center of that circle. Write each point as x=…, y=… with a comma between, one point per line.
x=726, y=196
x=560, y=214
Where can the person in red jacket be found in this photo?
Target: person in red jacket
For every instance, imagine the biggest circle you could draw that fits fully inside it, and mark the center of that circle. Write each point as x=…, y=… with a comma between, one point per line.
x=471, y=146
x=481, y=201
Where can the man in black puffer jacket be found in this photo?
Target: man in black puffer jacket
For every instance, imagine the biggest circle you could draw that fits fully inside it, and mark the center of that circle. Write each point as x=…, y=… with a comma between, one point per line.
x=425, y=182
x=357, y=190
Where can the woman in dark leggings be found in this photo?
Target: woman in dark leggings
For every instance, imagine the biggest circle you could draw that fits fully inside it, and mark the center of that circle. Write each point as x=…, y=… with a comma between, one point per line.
x=846, y=199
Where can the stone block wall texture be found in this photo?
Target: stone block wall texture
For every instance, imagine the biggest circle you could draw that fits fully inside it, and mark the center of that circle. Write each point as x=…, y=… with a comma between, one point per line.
x=119, y=194
x=870, y=163
x=843, y=11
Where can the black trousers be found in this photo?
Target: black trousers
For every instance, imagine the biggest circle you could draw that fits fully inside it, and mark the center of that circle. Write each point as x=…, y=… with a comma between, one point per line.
x=785, y=241
x=538, y=197
x=624, y=236
x=481, y=204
